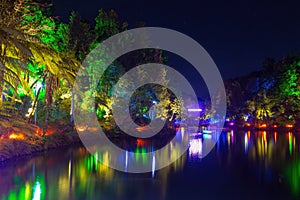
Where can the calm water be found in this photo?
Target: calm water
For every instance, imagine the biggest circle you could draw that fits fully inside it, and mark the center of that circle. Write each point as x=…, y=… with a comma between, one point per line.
x=243, y=165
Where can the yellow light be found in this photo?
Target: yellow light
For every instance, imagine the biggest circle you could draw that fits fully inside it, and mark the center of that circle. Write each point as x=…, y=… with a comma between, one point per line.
x=289, y=126
x=16, y=136
x=275, y=136
x=263, y=126
x=27, y=191
x=265, y=136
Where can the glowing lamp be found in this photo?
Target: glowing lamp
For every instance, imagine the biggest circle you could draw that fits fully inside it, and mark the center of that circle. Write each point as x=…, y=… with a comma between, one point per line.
x=194, y=109
x=16, y=136
x=207, y=136
x=38, y=86
x=231, y=123
x=289, y=126
x=263, y=126
x=140, y=142
x=248, y=124
x=207, y=131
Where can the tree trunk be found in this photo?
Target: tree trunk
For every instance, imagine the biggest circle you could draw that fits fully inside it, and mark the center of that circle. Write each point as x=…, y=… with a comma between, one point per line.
x=72, y=107
x=1, y=86
x=49, y=92
x=34, y=104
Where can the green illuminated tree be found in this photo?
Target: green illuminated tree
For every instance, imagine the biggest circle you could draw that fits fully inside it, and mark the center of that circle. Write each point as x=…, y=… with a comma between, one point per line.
x=288, y=88
x=15, y=52
x=35, y=47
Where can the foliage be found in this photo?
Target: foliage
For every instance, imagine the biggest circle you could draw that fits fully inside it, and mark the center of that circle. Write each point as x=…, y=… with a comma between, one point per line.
x=272, y=94
x=34, y=48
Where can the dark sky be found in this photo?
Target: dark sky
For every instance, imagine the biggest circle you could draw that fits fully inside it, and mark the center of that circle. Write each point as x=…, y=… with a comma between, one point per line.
x=238, y=34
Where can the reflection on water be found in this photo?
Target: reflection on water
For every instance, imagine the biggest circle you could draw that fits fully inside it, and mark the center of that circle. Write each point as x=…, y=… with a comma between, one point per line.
x=275, y=156
x=75, y=174
x=253, y=163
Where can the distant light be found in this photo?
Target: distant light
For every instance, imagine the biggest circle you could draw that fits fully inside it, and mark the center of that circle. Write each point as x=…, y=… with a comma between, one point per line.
x=194, y=109
x=155, y=102
x=275, y=126
x=177, y=121
x=263, y=126
x=231, y=123
x=16, y=136
x=207, y=136
x=207, y=131
x=289, y=126
x=38, y=86
x=248, y=124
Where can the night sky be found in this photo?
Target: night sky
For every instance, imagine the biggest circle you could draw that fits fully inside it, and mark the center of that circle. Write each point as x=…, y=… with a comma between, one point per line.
x=239, y=35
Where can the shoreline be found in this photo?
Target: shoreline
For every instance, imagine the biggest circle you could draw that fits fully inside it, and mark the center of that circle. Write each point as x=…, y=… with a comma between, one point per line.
x=15, y=148
x=19, y=138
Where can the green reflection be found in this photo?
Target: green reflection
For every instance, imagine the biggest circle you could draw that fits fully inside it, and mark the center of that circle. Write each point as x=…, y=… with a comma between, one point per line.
x=92, y=162
x=141, y=153
x=12, y=195
x=39, y=188
x=290, y=143
x=27, y=191
x=293, y=176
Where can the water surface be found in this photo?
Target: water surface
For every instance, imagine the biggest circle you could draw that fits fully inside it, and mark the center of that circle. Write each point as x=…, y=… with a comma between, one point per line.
x=242, y=165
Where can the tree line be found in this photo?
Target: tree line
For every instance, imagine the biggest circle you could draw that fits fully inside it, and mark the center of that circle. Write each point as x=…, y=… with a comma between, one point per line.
x=40, y=56
x=271, y=95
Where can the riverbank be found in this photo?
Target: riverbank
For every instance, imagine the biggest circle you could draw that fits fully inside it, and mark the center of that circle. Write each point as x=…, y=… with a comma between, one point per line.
x=19, y=138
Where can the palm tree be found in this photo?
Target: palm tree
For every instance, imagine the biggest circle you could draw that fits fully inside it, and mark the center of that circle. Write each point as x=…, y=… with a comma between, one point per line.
x=19, y=47
x=13, y=55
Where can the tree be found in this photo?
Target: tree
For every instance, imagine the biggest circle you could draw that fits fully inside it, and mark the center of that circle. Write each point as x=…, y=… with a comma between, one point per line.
x=15, y=52
x=287, y=88
x=37, y=40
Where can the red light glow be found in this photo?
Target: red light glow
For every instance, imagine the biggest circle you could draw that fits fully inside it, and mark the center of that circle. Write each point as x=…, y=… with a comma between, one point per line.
x=39, y=132
x=140, y=142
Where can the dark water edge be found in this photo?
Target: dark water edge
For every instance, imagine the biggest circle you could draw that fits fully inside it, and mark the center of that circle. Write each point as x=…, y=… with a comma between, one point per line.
x=19, y=149
x=229, y=171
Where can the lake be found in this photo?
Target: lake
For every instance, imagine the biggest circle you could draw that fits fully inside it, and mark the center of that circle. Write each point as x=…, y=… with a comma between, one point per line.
x=242, y=165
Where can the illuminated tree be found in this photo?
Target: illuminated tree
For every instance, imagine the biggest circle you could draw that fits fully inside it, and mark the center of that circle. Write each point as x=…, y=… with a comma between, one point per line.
x=16, y=50
x=34, y=49
x=289, y=89
x=261, y=107
x=57, y=60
